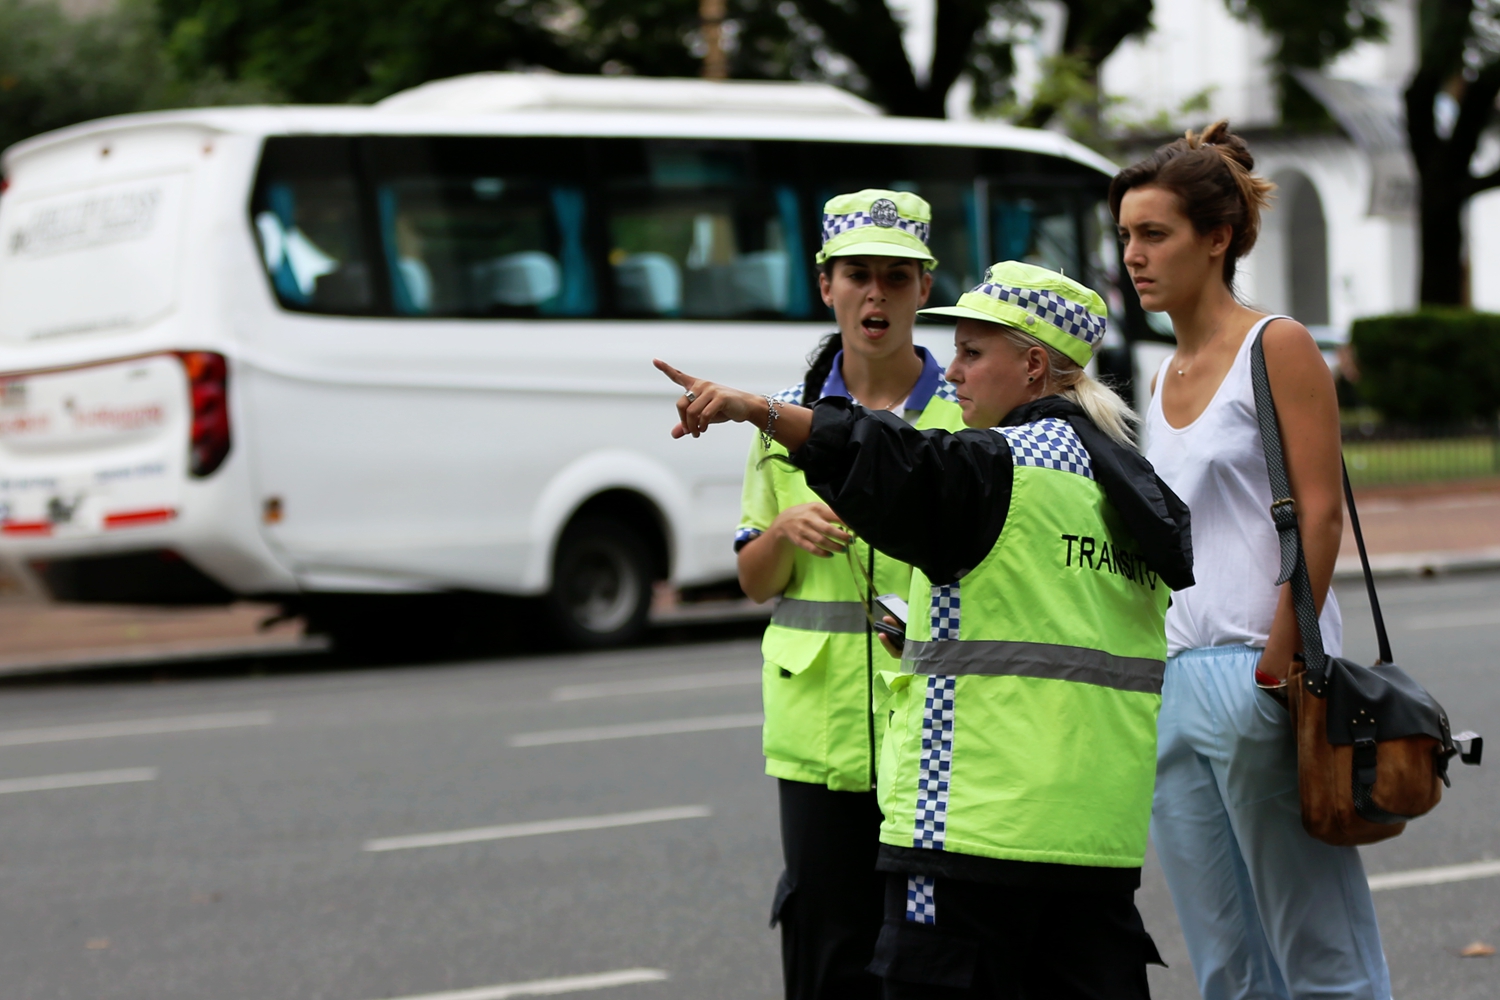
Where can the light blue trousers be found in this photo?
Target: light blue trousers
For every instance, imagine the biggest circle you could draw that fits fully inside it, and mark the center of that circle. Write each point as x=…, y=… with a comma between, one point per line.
x=1268, y=912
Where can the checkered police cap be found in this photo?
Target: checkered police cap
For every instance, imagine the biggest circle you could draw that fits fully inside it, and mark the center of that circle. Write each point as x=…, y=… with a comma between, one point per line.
x=879, y=223
x=1051, y=307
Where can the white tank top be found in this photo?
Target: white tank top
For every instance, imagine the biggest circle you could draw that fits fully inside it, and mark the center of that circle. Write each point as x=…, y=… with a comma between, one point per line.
x=1216, y=465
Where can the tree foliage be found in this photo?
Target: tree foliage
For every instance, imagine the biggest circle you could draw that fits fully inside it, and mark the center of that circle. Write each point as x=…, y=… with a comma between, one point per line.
x=333, y=51
x=1458, y=71
x=1309, y=36
x=55, y=71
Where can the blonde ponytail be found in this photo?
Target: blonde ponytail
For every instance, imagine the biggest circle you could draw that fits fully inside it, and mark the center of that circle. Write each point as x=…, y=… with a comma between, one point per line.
x=1103, y=405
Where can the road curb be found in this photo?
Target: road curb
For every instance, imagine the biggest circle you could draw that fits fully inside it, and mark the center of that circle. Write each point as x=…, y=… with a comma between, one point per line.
x=1389, y=565
x=165, y=653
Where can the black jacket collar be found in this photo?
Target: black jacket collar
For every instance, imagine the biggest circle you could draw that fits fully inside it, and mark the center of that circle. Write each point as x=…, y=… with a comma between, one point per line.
x=1156, y=516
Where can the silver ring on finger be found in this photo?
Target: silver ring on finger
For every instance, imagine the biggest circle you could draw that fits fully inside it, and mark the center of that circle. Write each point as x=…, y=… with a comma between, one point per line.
x=689, y=395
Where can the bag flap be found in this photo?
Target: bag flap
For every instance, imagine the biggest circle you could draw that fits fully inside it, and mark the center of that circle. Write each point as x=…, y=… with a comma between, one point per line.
x=1382, y=695
x=792, y=649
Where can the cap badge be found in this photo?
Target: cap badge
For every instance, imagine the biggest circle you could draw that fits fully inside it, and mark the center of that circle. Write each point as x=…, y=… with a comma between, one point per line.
x=884, y=214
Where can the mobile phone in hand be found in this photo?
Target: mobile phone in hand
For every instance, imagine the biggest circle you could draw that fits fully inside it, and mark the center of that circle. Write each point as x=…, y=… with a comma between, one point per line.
x=893, y=606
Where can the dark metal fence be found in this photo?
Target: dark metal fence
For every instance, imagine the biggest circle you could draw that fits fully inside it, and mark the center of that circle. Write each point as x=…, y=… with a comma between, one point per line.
x=1384, y=453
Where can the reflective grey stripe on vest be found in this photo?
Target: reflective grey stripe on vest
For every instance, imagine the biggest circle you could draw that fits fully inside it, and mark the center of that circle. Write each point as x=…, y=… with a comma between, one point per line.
x=1035, y=659
x=820, y=616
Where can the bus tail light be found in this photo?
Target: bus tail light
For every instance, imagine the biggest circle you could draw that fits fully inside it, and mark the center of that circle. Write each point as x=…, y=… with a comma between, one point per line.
x=208, y=386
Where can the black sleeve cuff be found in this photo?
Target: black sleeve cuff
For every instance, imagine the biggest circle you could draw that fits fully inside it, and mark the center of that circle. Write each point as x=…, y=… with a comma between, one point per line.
x=832, y=426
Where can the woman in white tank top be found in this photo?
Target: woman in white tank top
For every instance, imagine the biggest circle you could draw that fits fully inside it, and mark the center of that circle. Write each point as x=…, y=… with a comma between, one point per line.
x=1267, y=911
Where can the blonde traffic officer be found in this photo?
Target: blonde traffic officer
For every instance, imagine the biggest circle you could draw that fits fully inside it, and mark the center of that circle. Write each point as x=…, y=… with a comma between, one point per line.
x=1020, y=737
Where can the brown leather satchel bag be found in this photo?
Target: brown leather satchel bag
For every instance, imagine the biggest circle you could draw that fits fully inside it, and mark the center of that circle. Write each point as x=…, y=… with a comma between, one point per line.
x=1372, y=744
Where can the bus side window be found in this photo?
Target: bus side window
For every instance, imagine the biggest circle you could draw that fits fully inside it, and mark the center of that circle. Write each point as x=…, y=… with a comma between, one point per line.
x=692, y=235
x=457, y=244
x=307, y=221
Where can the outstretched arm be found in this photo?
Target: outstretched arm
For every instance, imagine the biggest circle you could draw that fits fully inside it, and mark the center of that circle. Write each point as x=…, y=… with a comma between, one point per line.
x=930, y=498
x=705, y=403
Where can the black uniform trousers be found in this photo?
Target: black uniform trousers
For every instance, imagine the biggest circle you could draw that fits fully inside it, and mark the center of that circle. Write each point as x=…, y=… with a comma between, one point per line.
x=998, y=942
x=829, y=901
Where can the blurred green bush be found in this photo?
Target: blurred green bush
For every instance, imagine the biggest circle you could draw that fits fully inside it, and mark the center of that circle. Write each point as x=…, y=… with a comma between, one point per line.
x=1432, y=366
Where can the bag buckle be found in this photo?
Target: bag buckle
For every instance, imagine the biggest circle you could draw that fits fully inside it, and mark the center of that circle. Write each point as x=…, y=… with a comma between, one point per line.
x=1470, y=747
x=1284, y=513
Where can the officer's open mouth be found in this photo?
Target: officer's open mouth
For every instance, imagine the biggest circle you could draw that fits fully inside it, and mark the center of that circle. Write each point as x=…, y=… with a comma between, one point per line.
x=875, y=325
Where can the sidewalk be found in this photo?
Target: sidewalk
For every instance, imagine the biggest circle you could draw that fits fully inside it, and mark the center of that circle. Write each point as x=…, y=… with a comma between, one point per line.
x=1416, y=530
x=38, y=637
x=1410, y=530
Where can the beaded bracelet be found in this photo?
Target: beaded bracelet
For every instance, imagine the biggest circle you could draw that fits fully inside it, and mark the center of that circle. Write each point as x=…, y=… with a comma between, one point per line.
x=773, y=411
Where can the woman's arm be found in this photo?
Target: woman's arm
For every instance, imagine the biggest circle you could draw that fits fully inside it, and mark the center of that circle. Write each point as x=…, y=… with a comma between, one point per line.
x=765, y=562
x=705, y=403
x=1308, y=412
x=930, y=498
x=935, y=499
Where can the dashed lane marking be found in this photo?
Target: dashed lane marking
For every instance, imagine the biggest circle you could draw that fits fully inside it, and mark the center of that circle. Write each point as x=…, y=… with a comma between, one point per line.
x=1435, y=876
x=80, y=779
x=538, y=829
x=549, y=987
x=658, y=685
x=133, y=727
x=1455, y=619
x=665, y=727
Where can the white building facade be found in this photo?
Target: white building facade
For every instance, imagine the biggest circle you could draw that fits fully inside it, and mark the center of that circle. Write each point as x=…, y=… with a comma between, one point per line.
x=1330, y=251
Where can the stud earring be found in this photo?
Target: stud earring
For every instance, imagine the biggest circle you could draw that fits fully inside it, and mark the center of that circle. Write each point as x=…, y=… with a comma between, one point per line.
x=1031, y=378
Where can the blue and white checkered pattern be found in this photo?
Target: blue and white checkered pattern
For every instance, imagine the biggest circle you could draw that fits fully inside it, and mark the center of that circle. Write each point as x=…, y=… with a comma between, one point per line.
x=1052, y=309
x=920, y=907
x=833, y=225
x=792, y=395
x=1049, y=443
x=945, y=390
x=743, y=536
x=945, y=612
x=936, y=764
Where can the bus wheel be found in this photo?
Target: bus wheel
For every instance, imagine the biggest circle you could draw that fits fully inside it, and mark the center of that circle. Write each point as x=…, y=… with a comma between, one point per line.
x=601, y=584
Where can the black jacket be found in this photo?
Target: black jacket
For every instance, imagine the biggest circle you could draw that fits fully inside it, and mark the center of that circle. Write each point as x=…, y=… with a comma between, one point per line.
x=938, y=500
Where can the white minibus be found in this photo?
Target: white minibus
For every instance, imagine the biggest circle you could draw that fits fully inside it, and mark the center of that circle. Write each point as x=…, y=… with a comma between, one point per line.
x=341, y=357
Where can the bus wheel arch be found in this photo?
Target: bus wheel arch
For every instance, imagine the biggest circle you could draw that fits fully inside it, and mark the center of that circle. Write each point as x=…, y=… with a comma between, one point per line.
x=606, y=561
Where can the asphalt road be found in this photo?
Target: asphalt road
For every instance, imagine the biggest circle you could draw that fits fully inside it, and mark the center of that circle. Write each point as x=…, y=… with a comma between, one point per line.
x=266, y=838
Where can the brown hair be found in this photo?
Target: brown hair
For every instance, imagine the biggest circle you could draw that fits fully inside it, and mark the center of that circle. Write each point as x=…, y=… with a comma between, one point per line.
x=1212, y=175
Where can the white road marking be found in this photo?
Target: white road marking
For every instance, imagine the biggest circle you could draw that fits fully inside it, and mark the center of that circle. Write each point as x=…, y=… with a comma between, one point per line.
x=81, y=779
x=657, y=685
x=537, y=829
x=1456, y=619
x=663, y=728
x=133, y=727
x=1435, y=876
x=549, y=987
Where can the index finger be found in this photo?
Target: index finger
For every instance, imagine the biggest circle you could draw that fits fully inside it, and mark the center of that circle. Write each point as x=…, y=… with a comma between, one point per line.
x=682, y=379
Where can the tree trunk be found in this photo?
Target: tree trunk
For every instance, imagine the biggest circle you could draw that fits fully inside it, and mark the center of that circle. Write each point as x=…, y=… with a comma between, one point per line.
x=1442, y=241
x=922, y=102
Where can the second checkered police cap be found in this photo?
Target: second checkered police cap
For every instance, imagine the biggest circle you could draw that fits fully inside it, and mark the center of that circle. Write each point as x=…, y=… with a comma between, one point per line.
x=877, y=223
x=1049, y=306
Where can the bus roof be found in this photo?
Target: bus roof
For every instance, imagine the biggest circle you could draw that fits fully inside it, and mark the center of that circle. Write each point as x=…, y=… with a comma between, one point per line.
x=470, y=106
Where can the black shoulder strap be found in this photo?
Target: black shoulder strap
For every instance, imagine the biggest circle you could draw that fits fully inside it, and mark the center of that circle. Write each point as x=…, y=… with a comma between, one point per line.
x=1381, y=638
x=1284, y=516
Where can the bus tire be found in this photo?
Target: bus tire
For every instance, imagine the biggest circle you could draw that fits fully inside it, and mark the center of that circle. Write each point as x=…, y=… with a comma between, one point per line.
x=601, y=584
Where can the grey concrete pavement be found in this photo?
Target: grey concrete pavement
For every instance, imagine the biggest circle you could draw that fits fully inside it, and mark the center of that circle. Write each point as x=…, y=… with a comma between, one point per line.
x=240, y=869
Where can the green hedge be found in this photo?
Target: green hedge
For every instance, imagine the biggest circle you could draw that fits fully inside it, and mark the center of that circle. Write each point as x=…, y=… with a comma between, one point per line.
x=1433, y=366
